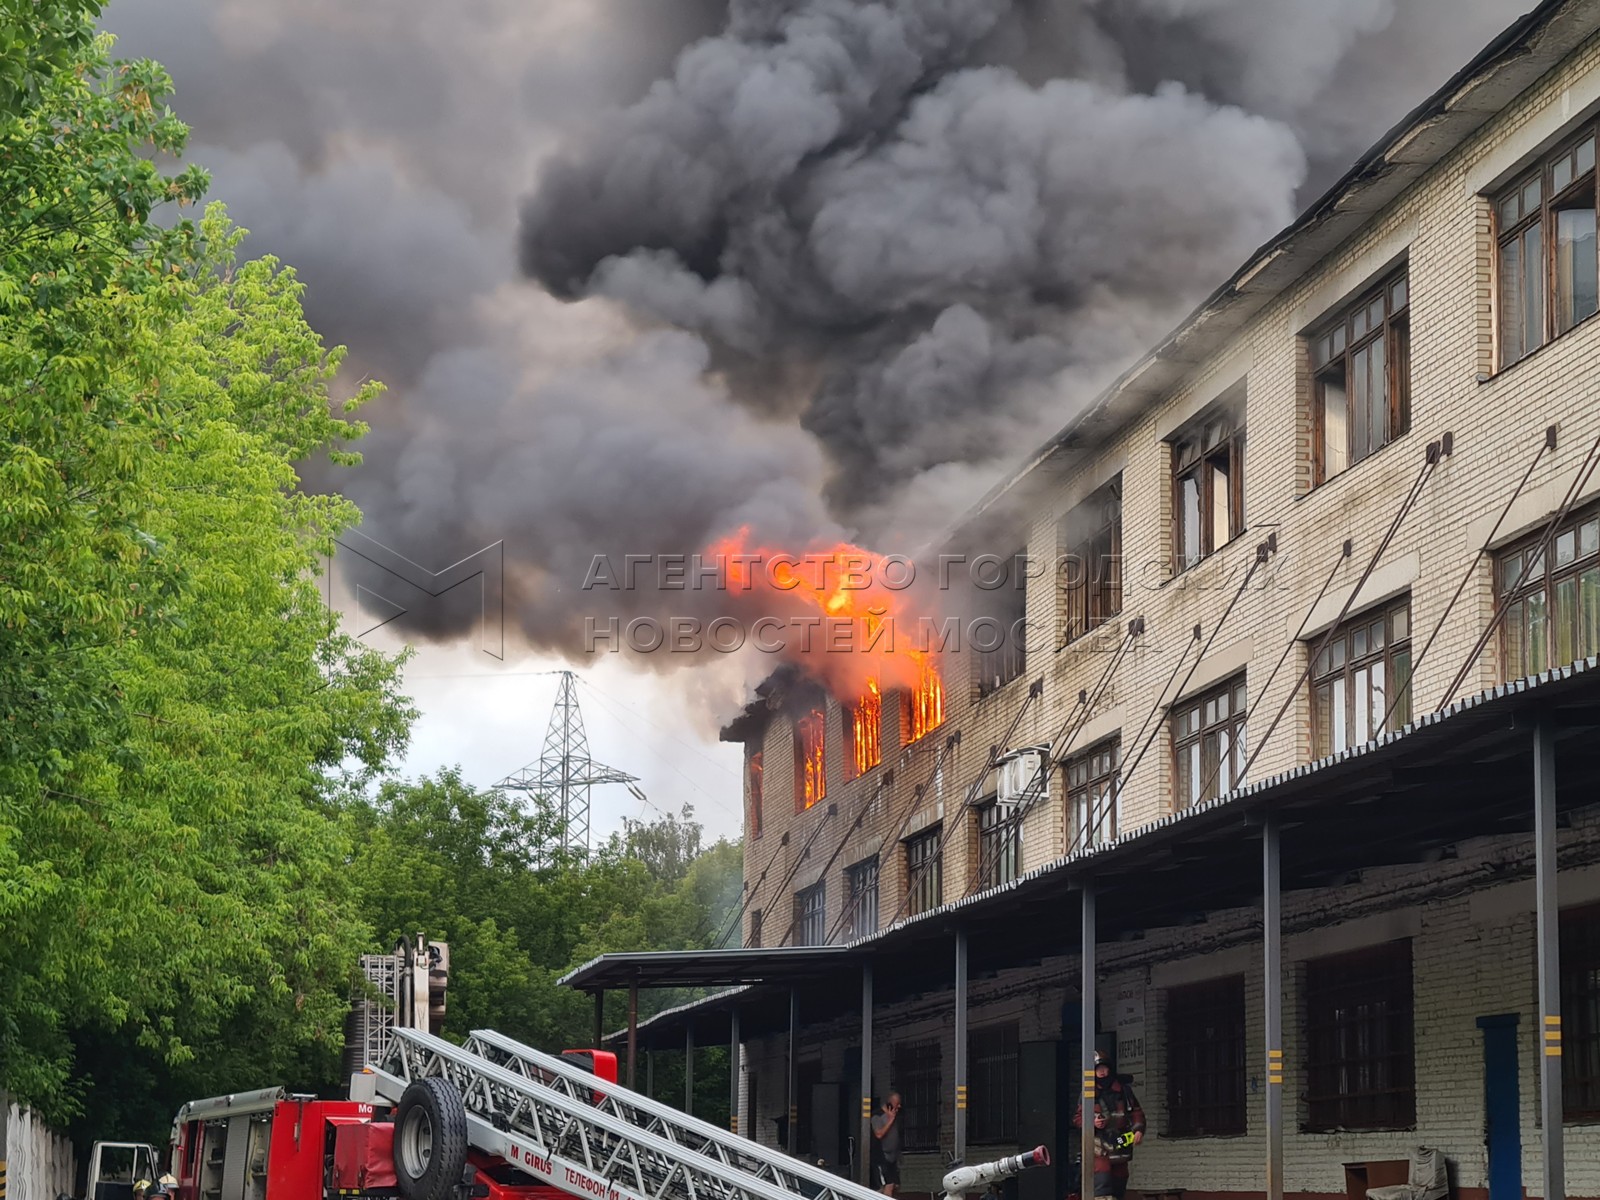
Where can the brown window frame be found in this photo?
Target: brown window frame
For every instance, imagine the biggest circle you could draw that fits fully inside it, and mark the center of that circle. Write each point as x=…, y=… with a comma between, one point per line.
x=924, y=893
x=1356, y=1002
x=1206, y=1039
x=1348, y=655
x=999, y=843
x=1516, y=215
x=1580, y=1014
x=917, y=1072
x=812, y=722
x=1520, y=574
x=811, y=915
x=993, y=1053
x=755, y=777
x=1337, y=343
x=1215, y=440
x=1205, y=730
x=929, y=694
x=1093, y=779
x=863, y=753
x=861, y=892
x=1091, y=563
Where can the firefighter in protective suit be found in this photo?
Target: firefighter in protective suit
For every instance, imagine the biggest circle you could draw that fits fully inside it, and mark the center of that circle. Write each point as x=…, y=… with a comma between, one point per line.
x=1118, y=1128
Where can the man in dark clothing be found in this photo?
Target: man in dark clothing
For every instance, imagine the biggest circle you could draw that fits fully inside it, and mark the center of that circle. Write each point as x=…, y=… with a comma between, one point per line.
x=886, y=1142
x=1116, y=1115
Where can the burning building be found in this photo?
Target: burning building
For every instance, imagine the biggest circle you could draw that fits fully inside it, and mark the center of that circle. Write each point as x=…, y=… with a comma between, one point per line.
x=1291, y=808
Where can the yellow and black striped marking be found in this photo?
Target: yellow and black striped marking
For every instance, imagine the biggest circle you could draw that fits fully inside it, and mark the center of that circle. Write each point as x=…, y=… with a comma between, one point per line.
x=866, y=1108
x=961, y=1096
x=1552, y=1037
x=1088, y=1083
x=1275, y=1068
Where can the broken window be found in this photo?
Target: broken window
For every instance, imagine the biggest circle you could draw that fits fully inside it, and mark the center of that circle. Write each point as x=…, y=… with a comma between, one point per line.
x=754, y=769
x=1091, y=563
x=863, y=731
x=1208, y=483
x=810, y=773
x=922, y=708
x=1361, y=378
x=1363, y=670
x=998, y=634
x=1208, y=744
x=1553, y=617
x=1548, y=263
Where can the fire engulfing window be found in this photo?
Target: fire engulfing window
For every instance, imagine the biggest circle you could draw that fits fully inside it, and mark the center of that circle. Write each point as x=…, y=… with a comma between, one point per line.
x=1208, y=744
x=992, y=1093
x=1360, y=1068
x=1361, y=378
x=1205, y=1059
x=1548, y=267
x=811, y=915
x=753, y=766
x=1580, y=1013
x=924, y=871
x=1554, y=614
x=1363, y=671
x=1091, y=563
x=1092, y=796
x=1208, y=483
x=922, y=708
x=863, y=881
x=863, y=731
x=997, y=633
x=810, y=764
x=914, y=1070
x=999, y=843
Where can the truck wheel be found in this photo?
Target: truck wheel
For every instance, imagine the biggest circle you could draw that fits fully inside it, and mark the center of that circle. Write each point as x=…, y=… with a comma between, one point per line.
x=430, y=1140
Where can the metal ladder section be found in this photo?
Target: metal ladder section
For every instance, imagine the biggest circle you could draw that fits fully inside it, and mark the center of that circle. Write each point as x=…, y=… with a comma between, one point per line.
x=560, y=1124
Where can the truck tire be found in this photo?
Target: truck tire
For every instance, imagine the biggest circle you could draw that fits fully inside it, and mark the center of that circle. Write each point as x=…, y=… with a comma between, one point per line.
x=430, y=1140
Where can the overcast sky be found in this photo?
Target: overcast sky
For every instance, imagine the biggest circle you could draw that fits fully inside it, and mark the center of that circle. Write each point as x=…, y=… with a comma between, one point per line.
x=638, y=272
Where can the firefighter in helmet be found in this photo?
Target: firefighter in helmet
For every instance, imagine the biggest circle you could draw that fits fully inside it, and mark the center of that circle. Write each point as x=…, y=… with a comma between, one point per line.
x=1118, y=1128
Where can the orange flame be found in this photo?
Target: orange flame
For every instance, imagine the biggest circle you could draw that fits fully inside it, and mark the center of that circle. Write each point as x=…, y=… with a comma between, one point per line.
x=927, y=702
x=810, y=776
x=866, y=729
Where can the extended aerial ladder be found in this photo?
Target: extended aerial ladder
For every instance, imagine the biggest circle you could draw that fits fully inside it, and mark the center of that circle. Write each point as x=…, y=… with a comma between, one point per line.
x=552, y=1120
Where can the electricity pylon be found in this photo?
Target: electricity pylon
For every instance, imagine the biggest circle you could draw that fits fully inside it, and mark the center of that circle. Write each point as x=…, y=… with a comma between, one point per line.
x=565, y=772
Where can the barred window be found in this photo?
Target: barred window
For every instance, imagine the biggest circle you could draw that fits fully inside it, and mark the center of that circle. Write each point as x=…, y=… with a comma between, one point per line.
x=1208, y=744
x=915, y=1068
x=1361, y=372
x=1206, y=1058
x=1092, y=800
x=1091, y=563
x=1364, y=668
x=924, y=871
x=1580, y=1013
x=999, y=843
x=1360, y=1068
x=863, y=881
x=992, y=1094
x=810, y=915
x=1554, y=615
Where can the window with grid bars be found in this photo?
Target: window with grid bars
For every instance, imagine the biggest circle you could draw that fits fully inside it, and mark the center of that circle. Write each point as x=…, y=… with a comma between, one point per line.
x=1205, y=1059
x=924, y=872
x=1580, y=1013
x=1363, y=670
x=1091, y=563
x=1208, y=483
x=1208, y=744
x=863, y=881
x=1554, y=613
x=1361, y=378
x=1360, y=1065
x=1092, y=796
x=810, y=915
x=915, y=1068
x=992, y=1084
x=999, y=843
x=1549, y=271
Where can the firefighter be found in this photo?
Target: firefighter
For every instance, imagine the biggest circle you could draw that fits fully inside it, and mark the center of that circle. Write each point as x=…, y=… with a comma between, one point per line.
x=1118, y=1126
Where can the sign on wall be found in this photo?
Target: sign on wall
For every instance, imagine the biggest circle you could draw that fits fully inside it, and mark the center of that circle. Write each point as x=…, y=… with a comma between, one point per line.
x=1129, y=1015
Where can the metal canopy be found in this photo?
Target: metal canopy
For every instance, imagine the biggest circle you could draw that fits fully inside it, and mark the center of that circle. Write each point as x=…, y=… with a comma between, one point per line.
x=1410, y=797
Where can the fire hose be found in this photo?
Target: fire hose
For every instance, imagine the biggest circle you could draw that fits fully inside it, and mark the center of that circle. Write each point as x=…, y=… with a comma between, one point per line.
x=962, y=1179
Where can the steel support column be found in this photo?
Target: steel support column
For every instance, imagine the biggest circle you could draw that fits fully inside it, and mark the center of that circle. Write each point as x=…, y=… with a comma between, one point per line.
x=1272, y=989
x=1547, y=921
x=733, y=1070
x=864, y=1159
x=794, y=1107
x=960, y=1072
x=633, y=1031
x=1086, y=1030
x=688, y=1067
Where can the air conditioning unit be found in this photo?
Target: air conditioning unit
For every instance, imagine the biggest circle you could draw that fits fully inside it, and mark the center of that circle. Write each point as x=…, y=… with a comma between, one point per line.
x=1024, y=775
